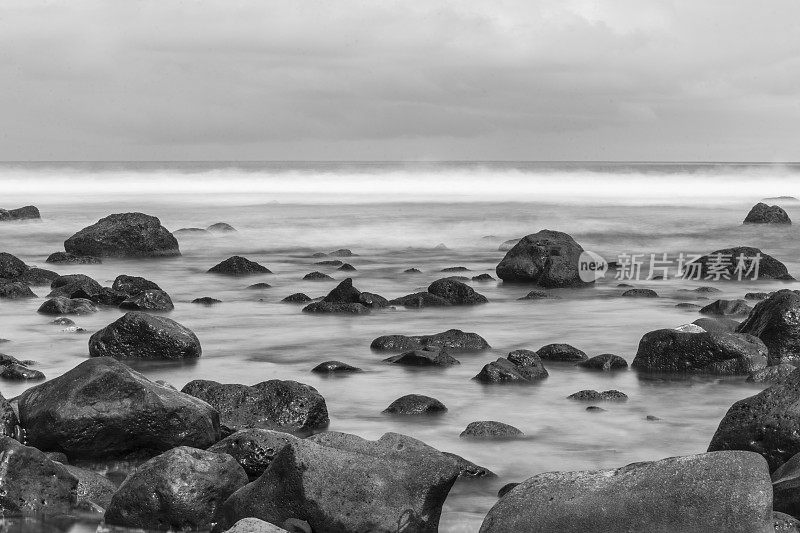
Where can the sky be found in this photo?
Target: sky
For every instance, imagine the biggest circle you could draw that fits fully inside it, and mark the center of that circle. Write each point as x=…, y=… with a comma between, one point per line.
x=586, y=80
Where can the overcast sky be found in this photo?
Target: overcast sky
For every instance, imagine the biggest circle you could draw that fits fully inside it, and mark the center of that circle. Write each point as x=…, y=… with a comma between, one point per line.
x=400, y=80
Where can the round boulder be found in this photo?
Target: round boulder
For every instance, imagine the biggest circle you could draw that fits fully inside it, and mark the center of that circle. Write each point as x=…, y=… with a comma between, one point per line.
x=124, y=235
x=547, y=258
x=141, y=335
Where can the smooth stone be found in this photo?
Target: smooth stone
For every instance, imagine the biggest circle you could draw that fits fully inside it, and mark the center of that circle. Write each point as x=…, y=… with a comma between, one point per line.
x=221, y=227
x=239, y=266
x=428, y=356
x=254, y=449
x=640, y=293
x=775, y=321
x=717, y=325
x=727, y=308
x=140, y=335
x=415, y=404
x=259, y=286
x=453, y=339
x=547, y=258
x=206, y=300
x=490, y=430
x=561, y=352
x=334, y=367
x=605, y=362
x=124, y=235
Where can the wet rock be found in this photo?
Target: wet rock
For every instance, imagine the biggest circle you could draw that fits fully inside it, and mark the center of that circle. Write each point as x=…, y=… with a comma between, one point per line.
x=221, y=227
x=239, y=266
x=150, y=300
x=455, y=269
x=538, y=295
x=772, y=374
x=334, y=367
x=190, y=232
x=762, y=213
x=141, y=335
x=489, y=429
x=317, y=276
x=324, y=307
x=757, y=295
x=254, y=525
x=372, y=300
x=412, y=271
x=717, y=325
x=605, y=362
x=597, y=396
x=102, y=408
x=419, y=300
x=37, y=276
x=177, y=490
x=668, y=350
x=505, y=489
x=521, y=366
x=72, y=259
x=468, y=469
x=687, y=305
x=651, y=418
x=641, y=497
x=786, y=487
x=347, y=267
x=785, y=524
x=11, y=266
x=254, y=449
x=415, y=404
x=297, y=298
x=427, y=356
x=133, y=285
x=93, y=488
x=768, y=266
x=206, y=300
x=690, y=328
x=456, y=292
x=28, y=212
x=32, y=484
x=547, y=258
x=330, y=262
x=727, y=308
x=75, y=286
x=277, y=405
x=595, y=409
x=15, y=290
x=376, y=487
x=640, y=293
x=18, y=372
x=453, y=339
x=776, y=321
x=482, y=277
x=63, y=321
x=124, y=235
x=342, y=252
x=561, y=352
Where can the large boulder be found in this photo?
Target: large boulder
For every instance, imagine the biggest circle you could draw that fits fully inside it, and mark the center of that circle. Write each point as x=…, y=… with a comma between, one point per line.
x=32, y=484
x=67, y=306
x=547, y=258
x=520, y=366
x=723, y=492
x=102, y=408
x=762, y=213
x=490, y=430
x=141, y=335
x=28, y=212
x=239, y=266
x=453, y=339
x=133, y=285
x=178, y=490
x=670, y=350
x=456, y=292
x=124, y=235
x=277, y=405
x=721, y=265
x=348, y=486
x=11, y=266
x=776, y=321
x=75, y=286
x=253, y=448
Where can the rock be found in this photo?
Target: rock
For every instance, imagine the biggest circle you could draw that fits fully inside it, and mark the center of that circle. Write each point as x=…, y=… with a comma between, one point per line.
x=58, y=457
x=324, y=307
x=344, y=292
x=412, y=271
x=330, y=262
x=415, y=404
x=727, y=308
x=319, y=254
x=221, y=227
x=427, y=356
x=342, y=252
x=596, y=396
x=11, y=266
x=482, y=277
x=15, y=290
x=18, y=372
x=334, y=367
x=347, y=267
x=762, y=213
x=133, y=285
x=206, y=300
x=109, y=296
x=75, y=286
x=141, y=335
x=28, y=212
x=687, y=305
x=776, y=321
x=505, y=489
x=373, y=486
x=260, y=286
x=239, y=266
x=297, y=298
x=547, y=258
x=605, y=362
x=507, y=245
x=124, y=235
x=93, y=488
x=63, y=321
x=32, y=484
x=419, y=300
x=37, y=276
x=489, y=429
x=150, y=300
x=317, y=276
x=254, y=525
x=522, y=366
x=595, y=409
x=757, y=295
x=717, y=325
x=772, y=374
x=456, y=292
x=768, y=266
x=190, y=232
x=668, y=350
x=724, y=492
x=372, y=300
x=785, y=524
x=455, y=269
x=561, y=352
x=177, y=490
x=254, y=449
x=690, y=328
x=469, y=470
x=640, y=293
x=786, y=487
x=277, y=405
x=71, y=259
x=538, y=295
x=102, y=408
x=452, y=339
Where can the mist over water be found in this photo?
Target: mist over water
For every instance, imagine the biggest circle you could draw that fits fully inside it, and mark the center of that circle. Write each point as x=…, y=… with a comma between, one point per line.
x=394, y=216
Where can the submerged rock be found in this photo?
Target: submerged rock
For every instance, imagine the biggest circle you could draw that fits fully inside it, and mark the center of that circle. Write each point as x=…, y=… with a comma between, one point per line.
x=15, y=290
x=539, y=295
x=605, y=362
x=239, y=266
x=489, y=429
x=221, y=227
x=254, y=449
x=726, y=261
x=596, y=396
x=206, y=300
x=452, y=339
x=336, y=308
x=456, y=292
x=260, y=286
x=415, y=404
x=347, y=267
x=762, y=213
x=317, y=276
x=547, y=258
x=297, y=298
x=133, y=285
x=29, y=212
x=727, y=308
x=776, y=321
x=334, y=367
x=141, y=335
x=640, y=293
x=20, y=372
x=124, y=235
x=522, y=366
x=419, y=300
x=427, y=356
x=149, y=300
x=72, y=259
x=561, y=352
x=190, y=232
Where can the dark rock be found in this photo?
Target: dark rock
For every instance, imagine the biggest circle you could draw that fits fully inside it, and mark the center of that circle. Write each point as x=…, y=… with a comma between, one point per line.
x=505, y=489
x=317, y=276
x=28, y=212
x=489, y=429
x=239, y=266
x=482, y=277
x=595, y=409
x=32, y=484
x=259, y=286
x=669, y=350
x=15, y=290
x=254, y=449
x=651, y=418
x=277, y=405
x=786, y=487
x=522, y=366
x=63, y=321
x=762, y=213
x=419, y=300
x=415, y=404
x=18, y=372
x=342, y=252
x=75, y=286
x=772, y=374
x=427, y=356
x=686, y=305
x=58, y=457
x=372, y=300
x=190, y=231
x=596, y=396
x=641, y=497
x=206, y=300
x=605, y=362
x=334, y=367
x=547, y=258
x=538, y=295
x=254, y=525
x=469, y=470
x=93, y=488
x=11, y=267
x=727, y=308
x=784, y=523
x=66, y=258
x=150, y=300
x=455, y=269
x=347, y=267
x=717, y=325
x=776, y=321
x=561, y=352
x=768, y=266
x=297, y=298
x=412, y=271
x=124, y=235
x=324, y=307
x=757, y=295
x=6, y=360
x=221, y=227
x=373, y=488
x=177, y=490
x=507, y=245
x=640, y=293
x=344, y=292
x=141, y=335
x=330, y=262
x=38, y=276
x=133, y=285
x=108, y=296
x=455, y=292
x=452, y=339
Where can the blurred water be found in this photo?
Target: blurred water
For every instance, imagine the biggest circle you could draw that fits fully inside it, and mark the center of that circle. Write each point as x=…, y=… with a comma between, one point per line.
x=252, y=337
